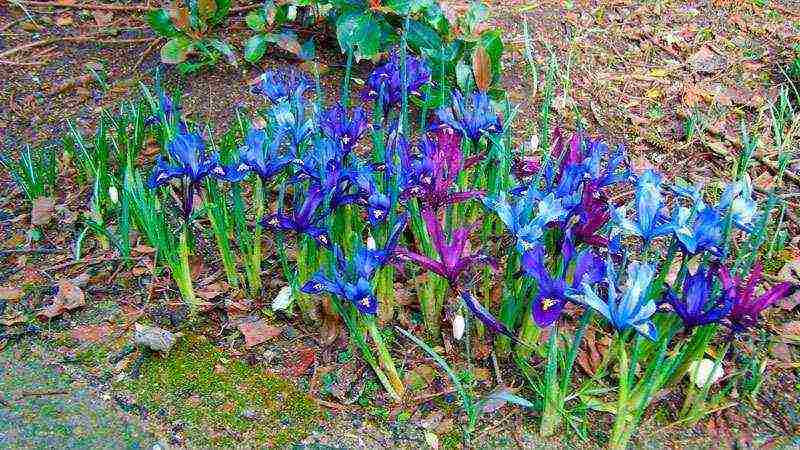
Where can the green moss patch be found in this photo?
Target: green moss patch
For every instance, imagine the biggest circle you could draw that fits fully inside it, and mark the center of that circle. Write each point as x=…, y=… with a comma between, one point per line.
x=219, y=401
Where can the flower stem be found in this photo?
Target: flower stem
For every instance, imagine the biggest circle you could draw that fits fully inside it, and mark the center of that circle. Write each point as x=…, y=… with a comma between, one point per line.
x=385, y=360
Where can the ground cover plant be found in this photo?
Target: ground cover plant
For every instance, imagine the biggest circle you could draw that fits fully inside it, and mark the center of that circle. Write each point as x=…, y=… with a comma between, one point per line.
x=405, y=212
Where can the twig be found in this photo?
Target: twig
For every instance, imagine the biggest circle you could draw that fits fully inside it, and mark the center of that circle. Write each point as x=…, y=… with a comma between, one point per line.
x=144, y=55
x=773, y=167
x=427, y=397
x=41, y=393
x=331, y=405
x=125, y=8
x=30, y=251
x=4, y=62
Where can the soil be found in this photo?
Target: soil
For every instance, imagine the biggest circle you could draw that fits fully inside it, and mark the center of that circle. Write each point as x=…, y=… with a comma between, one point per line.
x=633, y=70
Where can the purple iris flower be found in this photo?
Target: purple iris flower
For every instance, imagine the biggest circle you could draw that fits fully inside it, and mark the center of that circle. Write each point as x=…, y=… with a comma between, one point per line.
x=553, y=292
x=452, y=261
x=592, y=215
x=698, y=231
x=385, y=83
x=635, y=309
x=279, y=86
x=188, y=151
x=259, y=155
x=351, y=279
x=337, y=124
x=650, y=221
x=442, y=161
x=305, y=219
x=483, y=314
x=472, y=117
x=695, y=307
x=322, y=163
x=358, y=185
x=746, y=307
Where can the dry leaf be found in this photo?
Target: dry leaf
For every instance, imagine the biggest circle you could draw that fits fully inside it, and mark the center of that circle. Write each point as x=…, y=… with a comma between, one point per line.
x=91, y=333
x=102, y=18
x=11, y=319
x=68, y=297
x=64, y=20
x=257, y=332
x=11, y=293
x=481, y=68
x=42, y=210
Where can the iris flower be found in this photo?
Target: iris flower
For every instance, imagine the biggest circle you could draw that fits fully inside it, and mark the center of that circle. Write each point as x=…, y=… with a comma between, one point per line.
x=472, y=117
x=650, y=222
x=485, y=316
x=385, y=83
x=527, y=217
x=431, y=180
x=322, y=163
x=452, y=261
x=592, y=215
x=191, y=163
x=337, y=124
x=634, y=309
x=305, y=218
x=291, y=118
x=259, y=155
x=746, y=307
x=279, y=86
x=698, y=232
x=694, y=307
x=554, y=291
x=351, y=279
x=170, y=110
x=360, y=178
x=738, y=196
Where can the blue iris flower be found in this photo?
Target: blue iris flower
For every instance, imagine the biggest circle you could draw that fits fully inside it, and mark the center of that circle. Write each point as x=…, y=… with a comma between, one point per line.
x=338, y=125
x=695, y=306
x=473, y=116
x=260, y=155
x=634, y=309
x=527, y=217
x=650, y=221
x=698, y=231
x=279, y=86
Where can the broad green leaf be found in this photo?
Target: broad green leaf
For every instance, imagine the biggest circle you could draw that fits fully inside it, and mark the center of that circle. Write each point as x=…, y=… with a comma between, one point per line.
x=176, y=50
x=403, y=7
x=361, y=33
x=255, y=47
x=492, y=41
x=255, y=20
x=421, y=36
x=161, y=23
x=225, y=49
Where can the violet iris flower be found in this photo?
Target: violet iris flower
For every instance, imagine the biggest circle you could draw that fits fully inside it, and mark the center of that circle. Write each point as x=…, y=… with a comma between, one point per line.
x=472, y=117
x=527, y=217
x=746, y=307
x=695, y=307
x=279, y=86
x=553, y=292
x=351, y=279
x=362, y=178
x=634, y=309
x=698, y=232
x=338, y=125
x=592, y=215
x=437, y=173
x=170, y=110
x=385, y=83
x=483, y=314
x=259, y=155
x=188, y=151
x=305, y=218
x=650, y=222
x=322, y=163
x=452, y=261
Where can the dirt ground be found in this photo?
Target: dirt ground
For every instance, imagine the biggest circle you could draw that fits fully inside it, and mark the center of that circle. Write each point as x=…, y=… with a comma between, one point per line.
x=632, y=71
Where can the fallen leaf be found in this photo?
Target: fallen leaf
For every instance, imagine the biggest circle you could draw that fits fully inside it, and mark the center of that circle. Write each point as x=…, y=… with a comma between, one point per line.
x=210, y=291
x=91, y=333
x=102, y=18
x=307, y=358
x=42, y=210
x=64, y=20
x=481, y=68
x=68, y=297
x=11, y=319
x=11, y=293
x=706, y=61
x=257, y=332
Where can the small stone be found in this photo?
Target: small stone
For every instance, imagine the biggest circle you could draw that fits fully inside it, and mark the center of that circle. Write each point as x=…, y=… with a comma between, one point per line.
x=249, y=414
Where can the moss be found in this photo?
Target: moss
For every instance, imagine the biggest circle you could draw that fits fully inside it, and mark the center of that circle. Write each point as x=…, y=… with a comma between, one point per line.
x=208, y=393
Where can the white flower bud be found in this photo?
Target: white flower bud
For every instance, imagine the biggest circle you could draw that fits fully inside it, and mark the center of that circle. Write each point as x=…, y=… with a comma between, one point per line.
x=458, y=326
x=283, y=299
x=700, y=372
x=113, y=194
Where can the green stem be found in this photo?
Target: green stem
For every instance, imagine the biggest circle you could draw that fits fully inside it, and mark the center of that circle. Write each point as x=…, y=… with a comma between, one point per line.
x=182, y=272
x=395, y=385
x=254, y=257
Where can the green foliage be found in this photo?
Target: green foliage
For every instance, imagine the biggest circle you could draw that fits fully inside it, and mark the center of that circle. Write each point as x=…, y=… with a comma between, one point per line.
x=34, y=171
x=190, y=44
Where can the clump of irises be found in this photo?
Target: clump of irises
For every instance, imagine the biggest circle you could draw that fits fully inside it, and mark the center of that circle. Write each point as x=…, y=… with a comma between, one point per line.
x=455, y=213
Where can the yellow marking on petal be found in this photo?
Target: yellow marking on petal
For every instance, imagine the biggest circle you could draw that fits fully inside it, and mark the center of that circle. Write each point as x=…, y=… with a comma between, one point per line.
x=548, y=303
